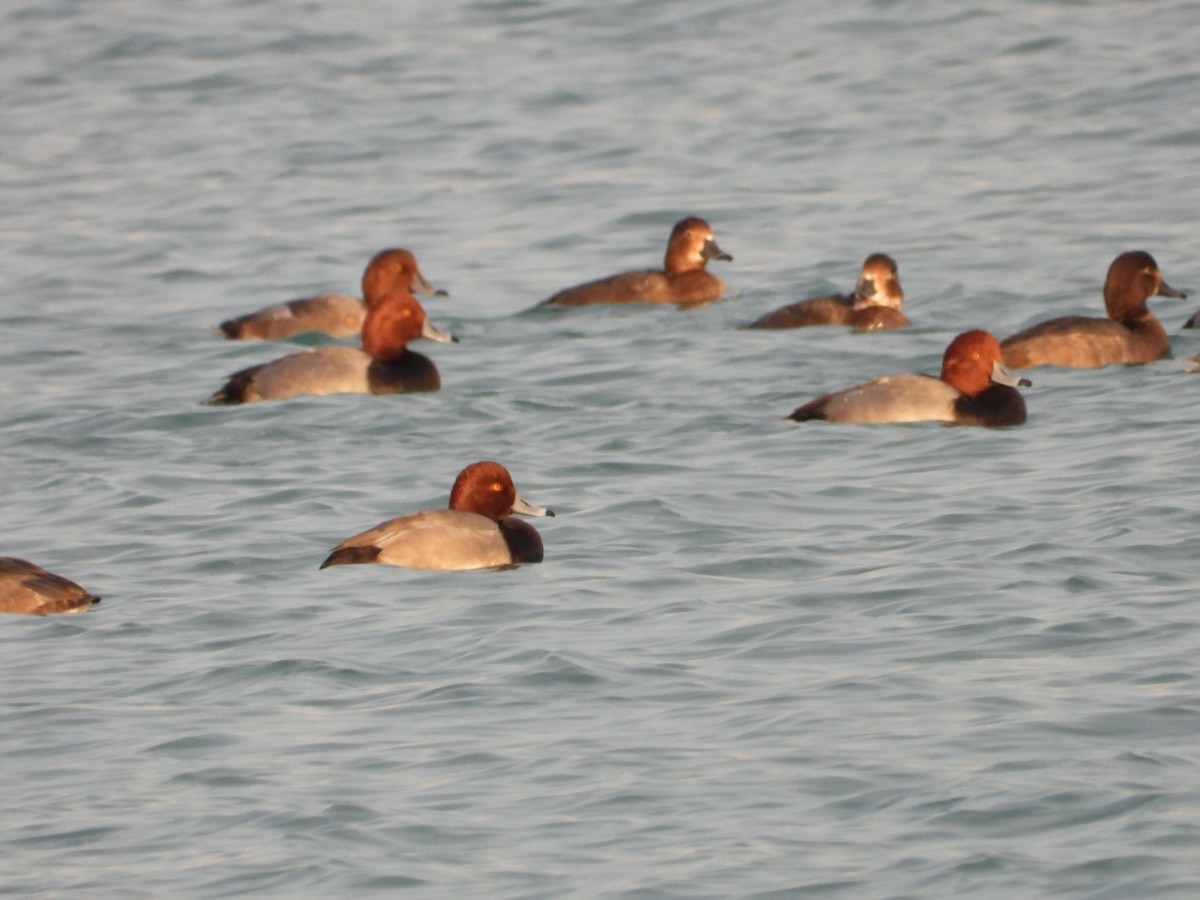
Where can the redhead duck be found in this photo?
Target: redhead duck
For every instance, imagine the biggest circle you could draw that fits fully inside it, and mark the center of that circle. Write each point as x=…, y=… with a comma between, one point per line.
x=1130, y=335
x=336, y=315
x=875, y=304
x=30, y=589
x=975, y=388
x=683, y=278
x=477, y=531
x=385, y=365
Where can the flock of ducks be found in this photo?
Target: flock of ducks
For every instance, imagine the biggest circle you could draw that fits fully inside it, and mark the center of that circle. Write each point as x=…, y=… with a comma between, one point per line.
x=976, y=386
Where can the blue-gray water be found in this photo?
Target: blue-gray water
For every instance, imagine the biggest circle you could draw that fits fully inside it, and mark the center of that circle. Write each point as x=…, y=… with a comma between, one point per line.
x=760, y=659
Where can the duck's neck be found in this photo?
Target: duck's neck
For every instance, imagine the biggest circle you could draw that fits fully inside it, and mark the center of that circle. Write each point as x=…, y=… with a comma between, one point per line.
x=1141, y=320
x=387, y=330
x=1149, y=334
x=677, y=262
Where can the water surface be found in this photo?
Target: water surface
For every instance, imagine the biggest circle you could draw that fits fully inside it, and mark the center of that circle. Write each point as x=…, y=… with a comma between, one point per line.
x=760, y=659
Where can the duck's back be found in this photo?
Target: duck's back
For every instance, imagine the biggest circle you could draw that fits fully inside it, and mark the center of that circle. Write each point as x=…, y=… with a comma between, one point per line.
x=643, y=286
x=835, y=310
x=31, y=590
x=325, y=370
x=329, y=370
x=909, y=397
x=336, y=315
x=1084, y=342
x=441, y=539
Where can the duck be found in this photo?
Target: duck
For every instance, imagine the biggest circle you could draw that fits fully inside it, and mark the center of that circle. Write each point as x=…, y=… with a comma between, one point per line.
x=975, y=388
x=876, y=304
x=476, y=531
x=1131, y=335
x=28, y=589
x=384, y=365
x=684, y=278
x=335, y=315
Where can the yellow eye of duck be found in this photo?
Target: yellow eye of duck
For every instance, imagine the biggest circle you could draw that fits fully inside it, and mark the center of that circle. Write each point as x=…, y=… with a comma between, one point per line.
x=497, y=486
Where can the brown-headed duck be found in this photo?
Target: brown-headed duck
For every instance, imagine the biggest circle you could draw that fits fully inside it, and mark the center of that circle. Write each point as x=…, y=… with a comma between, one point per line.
x=876, y=304
x=477, y=531
x=385, y=365
x=1130, y=335
x=975, y=388
x=683, y=278
x=336, y=315
x=29, y=589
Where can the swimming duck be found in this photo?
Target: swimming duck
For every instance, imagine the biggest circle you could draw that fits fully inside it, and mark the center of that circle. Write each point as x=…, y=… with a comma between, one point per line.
x=683, y=278
x=875, y=305
x=336, y=315
x=29, y=589
x=477, y=531
x=1131, y=334
x=385, y=365
x=975, y=388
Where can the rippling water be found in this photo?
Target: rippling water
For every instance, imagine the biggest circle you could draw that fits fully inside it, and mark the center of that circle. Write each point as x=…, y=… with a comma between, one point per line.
x=760, y=659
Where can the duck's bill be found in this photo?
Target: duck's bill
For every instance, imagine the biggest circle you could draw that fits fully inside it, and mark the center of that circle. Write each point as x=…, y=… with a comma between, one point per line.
x=429, y=330
x=1165, y=290
x=865, y=289
x=1002, y=374
x=712, y=251
x=420, y=286
x=528, y=509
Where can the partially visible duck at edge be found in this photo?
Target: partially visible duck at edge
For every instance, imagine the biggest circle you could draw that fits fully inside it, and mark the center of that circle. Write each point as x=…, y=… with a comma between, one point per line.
x=876, y=304
x=29, y=589
x=477, y=531
x=975, y=388
x=1194, y=321
x=337, y=315
x=1131, y=335
x=683, y=278
x=384, y=365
